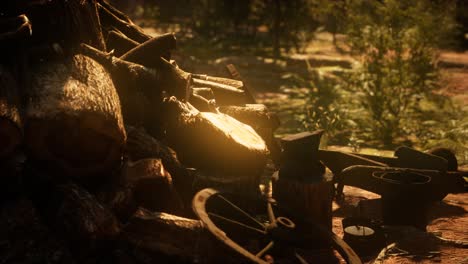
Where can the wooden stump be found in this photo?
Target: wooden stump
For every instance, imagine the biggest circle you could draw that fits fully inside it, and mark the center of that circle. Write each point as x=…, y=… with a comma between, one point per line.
x=312, y=200
x=73, y=117
x=302, y=174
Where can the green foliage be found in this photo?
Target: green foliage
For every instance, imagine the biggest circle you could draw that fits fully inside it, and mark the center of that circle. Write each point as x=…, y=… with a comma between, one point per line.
x=395, y=42
x=263, y=23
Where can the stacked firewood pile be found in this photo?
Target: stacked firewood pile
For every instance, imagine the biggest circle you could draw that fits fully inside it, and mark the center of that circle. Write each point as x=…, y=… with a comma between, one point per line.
x=104, y=139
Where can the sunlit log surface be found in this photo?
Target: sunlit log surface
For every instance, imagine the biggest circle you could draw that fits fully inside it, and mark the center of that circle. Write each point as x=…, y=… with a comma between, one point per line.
x=73, y=116
x=224, y=94
x=10, y=120
x=213, y=141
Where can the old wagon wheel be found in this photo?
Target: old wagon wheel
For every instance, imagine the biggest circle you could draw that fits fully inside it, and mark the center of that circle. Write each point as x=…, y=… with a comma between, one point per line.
x=258, y=230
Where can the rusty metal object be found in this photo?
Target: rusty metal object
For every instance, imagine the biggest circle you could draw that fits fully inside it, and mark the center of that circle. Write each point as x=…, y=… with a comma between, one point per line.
x=243, y=223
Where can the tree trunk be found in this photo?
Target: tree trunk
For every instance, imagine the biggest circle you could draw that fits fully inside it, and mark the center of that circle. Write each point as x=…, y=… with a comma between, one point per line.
x=73, y=120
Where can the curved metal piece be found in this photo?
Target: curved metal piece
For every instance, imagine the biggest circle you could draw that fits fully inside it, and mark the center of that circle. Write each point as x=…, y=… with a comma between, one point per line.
x=199, y=207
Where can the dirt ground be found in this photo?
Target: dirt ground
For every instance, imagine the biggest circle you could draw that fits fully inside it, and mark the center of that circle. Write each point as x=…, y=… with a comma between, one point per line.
x=447, y=219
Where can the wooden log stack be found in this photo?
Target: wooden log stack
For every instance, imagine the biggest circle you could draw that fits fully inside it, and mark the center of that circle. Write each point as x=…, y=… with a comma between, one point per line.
x=102, y=132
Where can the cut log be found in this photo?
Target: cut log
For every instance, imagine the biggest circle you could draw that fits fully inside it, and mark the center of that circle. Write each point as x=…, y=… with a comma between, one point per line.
x=140, y=145
x=115, y=11
x=213, y=141
x=254, y=115
x=81, y=217
x=148, y=52
x=202, y=104
x=74, y=121
x=119, y=43
x=110, y=20
x=152, y=186
x=206, y=93
x=140, y=88
x=226, y=81
x=11, y=133
x=183, y=239
x=224, y=94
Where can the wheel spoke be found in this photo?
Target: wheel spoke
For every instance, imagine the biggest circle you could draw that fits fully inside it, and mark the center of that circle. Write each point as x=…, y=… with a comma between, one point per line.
x=237, y=223
x=265, y=249
x=242, y=211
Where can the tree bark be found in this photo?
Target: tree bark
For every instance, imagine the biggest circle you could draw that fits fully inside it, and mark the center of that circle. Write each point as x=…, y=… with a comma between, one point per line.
x=140, y=88
x=183, y=239
x=224, y=94
x=11, y=128
x=148, y=52
x=73, y=119
x=110, y=20
x=152, y=186
x=119, y=43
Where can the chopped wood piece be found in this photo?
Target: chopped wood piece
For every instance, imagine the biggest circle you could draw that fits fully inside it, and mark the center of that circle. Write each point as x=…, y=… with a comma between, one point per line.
x=213, y=141
x=115, y=11
x=182, y=238
x=206, y=93
x=81, y=217
x=148, y=52
x=119, y=43
x=74, y=121
x=224, y=94
x=152, y=186
x=11, y=133
x=152, y=81
x=231, y=82
x=140, y=145
x=255, y=115
x=202, y=104
x=110, y=20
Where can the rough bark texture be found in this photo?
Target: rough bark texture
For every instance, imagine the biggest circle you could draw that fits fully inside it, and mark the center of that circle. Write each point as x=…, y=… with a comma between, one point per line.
x=255, y=115
x=223, y=93
x=140, y=88
x=182, y=238
x=152, y=186
x=111, y=20
x=10, y=120
x=140, y=145
x=119, y=43
x=73, y=117
x=148, y=52
x=81, y=217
